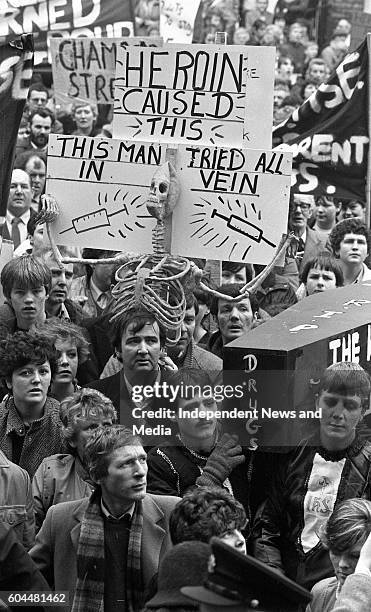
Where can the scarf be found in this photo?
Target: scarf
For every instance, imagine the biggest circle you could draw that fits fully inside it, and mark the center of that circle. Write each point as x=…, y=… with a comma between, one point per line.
x=89, y=592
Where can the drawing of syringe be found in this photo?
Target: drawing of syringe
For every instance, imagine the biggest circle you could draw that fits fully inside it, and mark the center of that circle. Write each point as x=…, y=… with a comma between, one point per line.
x=238, y=224
x=94, y=220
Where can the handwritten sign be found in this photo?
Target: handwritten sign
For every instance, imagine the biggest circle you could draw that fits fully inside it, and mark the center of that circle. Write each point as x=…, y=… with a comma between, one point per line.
x=204, y=94
x=84, y=68
x=177, y=20
x=233, y=204
x=101, y=187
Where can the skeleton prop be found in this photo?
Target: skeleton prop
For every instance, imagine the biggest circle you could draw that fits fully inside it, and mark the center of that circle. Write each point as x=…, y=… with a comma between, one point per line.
x=159, y=281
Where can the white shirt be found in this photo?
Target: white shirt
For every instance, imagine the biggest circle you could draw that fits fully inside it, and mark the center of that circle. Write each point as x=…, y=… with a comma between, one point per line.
x=22, y=225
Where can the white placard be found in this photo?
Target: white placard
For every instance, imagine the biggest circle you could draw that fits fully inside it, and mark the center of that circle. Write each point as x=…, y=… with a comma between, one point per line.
x=177, y=20
x=84, y=68
x=101, y=186
x=233, y=203
x=195, y=94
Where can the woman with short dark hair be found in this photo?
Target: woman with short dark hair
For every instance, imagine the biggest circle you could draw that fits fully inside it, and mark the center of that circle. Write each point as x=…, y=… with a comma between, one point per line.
x=30, y=426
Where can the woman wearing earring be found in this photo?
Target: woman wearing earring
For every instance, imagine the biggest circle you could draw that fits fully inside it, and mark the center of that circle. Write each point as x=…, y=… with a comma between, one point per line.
x=72, y=351
x=332, y=465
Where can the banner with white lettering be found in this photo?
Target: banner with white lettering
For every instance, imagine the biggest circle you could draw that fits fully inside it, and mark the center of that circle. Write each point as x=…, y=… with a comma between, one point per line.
x=84, y=68
x=328, y=133
x=16, y=64
x=86, y=18
x=177, y=20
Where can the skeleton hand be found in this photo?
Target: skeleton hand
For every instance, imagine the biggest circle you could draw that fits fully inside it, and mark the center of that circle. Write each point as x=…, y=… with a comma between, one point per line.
x=49, y=210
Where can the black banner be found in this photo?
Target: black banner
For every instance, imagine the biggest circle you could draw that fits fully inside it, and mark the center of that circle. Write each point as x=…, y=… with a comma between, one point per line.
x=328, y=133
x=16, y=64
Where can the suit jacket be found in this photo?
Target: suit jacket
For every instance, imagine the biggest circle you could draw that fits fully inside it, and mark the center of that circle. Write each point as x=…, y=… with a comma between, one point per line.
x=6, y=235
x=314, y=244
x=55, y=550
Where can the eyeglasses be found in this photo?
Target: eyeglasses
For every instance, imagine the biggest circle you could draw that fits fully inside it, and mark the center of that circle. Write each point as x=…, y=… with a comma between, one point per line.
x=303, y=205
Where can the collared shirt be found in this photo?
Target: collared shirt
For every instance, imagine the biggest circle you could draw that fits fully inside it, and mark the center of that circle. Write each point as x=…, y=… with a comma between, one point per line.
x=129, y=513
x=22, y=226
x=100, y=297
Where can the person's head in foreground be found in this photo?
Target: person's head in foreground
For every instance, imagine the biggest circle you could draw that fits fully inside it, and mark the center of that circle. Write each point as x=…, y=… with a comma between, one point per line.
x=343, y=397
x=117, y=462
x=206, y=512
x=138, y=340
x=185, y=564
x=82, y=414
x=26, y=283
x=240, y=583
x=27, y=363
x=321, y=273
x=345, y=533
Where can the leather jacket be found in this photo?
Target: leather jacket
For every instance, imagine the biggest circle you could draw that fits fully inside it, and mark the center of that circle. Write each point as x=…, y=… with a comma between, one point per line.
x=280, y=519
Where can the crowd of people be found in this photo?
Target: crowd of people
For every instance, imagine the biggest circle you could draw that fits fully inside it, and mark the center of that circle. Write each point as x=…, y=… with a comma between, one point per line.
x=96, y=505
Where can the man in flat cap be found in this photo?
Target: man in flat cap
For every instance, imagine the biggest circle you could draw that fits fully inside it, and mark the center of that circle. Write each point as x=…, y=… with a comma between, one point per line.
x=240, y=583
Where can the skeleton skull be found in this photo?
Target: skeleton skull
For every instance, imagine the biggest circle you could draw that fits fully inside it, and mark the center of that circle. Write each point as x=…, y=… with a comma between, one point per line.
x=164, y=192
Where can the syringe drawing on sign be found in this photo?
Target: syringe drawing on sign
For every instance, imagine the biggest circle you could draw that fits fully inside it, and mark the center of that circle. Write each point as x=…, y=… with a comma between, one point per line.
x=101, y=218
x=238, y=224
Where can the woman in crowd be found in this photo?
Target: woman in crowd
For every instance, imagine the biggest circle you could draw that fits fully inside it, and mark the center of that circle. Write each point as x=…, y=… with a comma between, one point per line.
x=63, y=477
x=320, y=273
x=30, y=427
x=344, y=535
x=332, y=465
x=72, y=350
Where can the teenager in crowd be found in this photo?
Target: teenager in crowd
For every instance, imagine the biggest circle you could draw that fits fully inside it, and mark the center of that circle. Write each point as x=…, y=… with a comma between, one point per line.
x=332, y=465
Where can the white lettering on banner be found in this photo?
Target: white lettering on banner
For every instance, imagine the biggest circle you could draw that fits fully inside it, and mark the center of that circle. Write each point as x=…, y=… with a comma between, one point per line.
x=350, y=348
x=78, y=20
x=14, y=75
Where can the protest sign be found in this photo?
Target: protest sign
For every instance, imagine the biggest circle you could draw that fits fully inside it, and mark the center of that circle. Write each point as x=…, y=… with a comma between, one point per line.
x=328, y=133
x=101, y=187
x=60, y=18
x=84, y=68
x=233, y=203
x=281, y=361
x=205, y=94
x=16, y=63
x=177, y=20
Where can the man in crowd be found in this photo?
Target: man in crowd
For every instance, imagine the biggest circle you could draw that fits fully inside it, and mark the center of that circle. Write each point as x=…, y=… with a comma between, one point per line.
x=350, y=243
x=234, y=319
x=138, y=341
x=185, y=353
x=19, y=210
x=40, y=122
x=106, y=549
x=325, y=212
x=58, y=304
x=35, y=166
